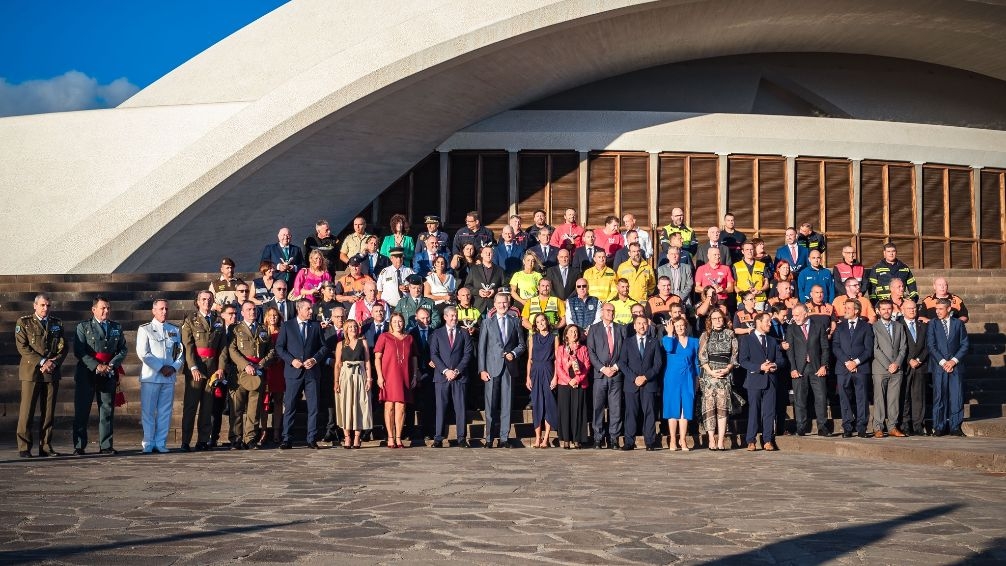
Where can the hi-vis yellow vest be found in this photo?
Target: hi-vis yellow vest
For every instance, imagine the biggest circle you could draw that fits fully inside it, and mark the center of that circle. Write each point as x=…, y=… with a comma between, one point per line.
x=747, y=280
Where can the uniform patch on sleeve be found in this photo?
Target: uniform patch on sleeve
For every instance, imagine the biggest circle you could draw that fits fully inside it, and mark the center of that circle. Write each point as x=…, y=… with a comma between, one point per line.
x=17, y=329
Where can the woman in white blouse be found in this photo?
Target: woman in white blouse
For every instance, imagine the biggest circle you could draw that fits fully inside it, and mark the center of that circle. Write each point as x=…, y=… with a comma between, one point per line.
x=440, y=285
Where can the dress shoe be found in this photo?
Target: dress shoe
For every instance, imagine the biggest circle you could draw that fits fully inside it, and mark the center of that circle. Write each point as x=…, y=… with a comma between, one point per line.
x=24, y=454
x=330, y=438
x=212, y=444
x=504, y=444
x=313, y=445
x=237, y=445
x=769, y=447
x=186, y=448
x=846, y=435
x=285, y=446
x=822, y=432
x=801, y=433
x=957, y=432
x=650, y=449
x=752, y=447
x=462, y=443
x=939, y=433
x=487, y=444
x=864, y=434
x=437, y=444
x=613, y=445
x=79, y=452
x=200, y=446
x=253, y=446
x=48, y=453
x=628, y=447
x=597, y=445
x=897, y=433
x=878, y=433
x=109, y=451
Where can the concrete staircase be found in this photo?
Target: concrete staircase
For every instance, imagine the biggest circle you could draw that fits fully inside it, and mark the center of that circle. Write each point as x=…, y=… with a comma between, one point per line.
x=131, y=294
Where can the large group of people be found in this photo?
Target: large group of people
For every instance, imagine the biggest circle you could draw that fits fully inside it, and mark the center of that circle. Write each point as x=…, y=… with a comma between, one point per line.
x=606, y=333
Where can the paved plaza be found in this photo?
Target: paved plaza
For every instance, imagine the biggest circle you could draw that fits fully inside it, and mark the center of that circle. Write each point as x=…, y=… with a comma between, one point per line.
x=425, y=506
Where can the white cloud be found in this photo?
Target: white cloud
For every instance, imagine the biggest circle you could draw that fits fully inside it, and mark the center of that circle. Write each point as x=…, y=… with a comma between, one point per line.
x=72, y=90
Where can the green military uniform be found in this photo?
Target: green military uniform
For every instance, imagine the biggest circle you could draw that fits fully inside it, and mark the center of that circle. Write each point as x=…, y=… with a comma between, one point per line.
x=96, y=343
x=408, y=305
x=204, y=340
x=38, y=341
x=250, y=346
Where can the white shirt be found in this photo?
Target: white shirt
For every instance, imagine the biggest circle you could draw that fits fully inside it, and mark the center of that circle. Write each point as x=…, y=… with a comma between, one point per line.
x=645, y=244
x=387, y=283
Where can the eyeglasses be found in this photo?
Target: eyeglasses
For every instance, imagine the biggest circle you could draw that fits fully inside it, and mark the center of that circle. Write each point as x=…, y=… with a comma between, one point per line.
x=581, y=286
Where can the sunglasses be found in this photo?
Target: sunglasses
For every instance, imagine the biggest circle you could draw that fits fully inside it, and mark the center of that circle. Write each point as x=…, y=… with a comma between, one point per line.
x=581, y=286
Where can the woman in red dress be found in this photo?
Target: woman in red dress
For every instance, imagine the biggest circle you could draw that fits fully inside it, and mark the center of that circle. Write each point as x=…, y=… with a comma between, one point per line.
x=396, y=366
x=275, y=383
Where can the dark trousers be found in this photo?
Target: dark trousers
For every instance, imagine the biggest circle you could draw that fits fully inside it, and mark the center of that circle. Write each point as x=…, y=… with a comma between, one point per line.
x=640, y=401
x=42, y=395
x=608, y=392
x=572, y=414
x=761, y=413
x=326, y=405
x=948, y=401
x=198, y=400
x=453, y=391
x=850, y=385
x=422, y=411
x=498, y=397
x=87, y=390
x=913, y=412
x=294, y=385
x=217, y=413
x=802, y=388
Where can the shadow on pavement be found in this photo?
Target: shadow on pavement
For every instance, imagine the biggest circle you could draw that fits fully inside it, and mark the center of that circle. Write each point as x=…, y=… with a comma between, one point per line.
x=828, y=546
x=58, y=552
x=994, y=554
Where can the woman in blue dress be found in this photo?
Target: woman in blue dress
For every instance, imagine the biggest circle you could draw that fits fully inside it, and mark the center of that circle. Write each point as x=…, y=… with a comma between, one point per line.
x=541, y=379
x=680, y=374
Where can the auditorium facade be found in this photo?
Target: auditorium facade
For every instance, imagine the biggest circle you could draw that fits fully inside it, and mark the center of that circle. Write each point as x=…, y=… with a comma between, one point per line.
x=872, y=121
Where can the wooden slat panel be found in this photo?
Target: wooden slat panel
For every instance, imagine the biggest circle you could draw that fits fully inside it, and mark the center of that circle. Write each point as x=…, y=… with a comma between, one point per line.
x=992, y=256
x=906, y=251
x=495, y=189
x=871, y=250
x=932, y=202
x=901, y=202
x=961, y=255
x=838, y=193
x=601, y=192
x=565, y=185
x=633, y=188
x=871, y=209
x=772, y=200
x=992, y=210
x=425, y=190
x=740, y=191
x=671, y=187
x=704, y=193
x=961, y=205
x=463, y=186
x=932, y=254
x=532, y=177
x=808, y=192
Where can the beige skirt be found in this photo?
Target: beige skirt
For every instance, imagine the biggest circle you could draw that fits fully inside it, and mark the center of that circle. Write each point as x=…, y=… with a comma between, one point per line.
x=352, y=404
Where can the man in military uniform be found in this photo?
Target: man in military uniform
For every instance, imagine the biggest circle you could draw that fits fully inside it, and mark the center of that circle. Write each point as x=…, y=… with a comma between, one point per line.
x=250, y=350
x=222, y=386
x=204, y=341
x=409, y=304
x=433, y=229
x=100, y=347
x=159, y=347
x=223, y=288
x=39, y=339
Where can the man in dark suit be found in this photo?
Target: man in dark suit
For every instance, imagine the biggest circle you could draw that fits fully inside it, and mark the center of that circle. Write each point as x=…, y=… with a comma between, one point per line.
x=793, y=253
x=913, y=413
x=371, y=262
x=509, y=253
x=604, y=344
x=641, y=362
x=484, y=279
x=563, y=275
x=301, y=346
x=583, y=257
x=947, y=341
x=808, y=354
x=546, y=253
x=280, y=302
x=852, y=343
x=371, y=329
x=761, y=355
x=423, y=394
x=451, y=351
x=287, y=257
x=501, y=342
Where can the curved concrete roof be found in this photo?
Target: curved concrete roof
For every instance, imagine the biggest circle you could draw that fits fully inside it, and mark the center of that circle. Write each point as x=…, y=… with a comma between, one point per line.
x=330, y=102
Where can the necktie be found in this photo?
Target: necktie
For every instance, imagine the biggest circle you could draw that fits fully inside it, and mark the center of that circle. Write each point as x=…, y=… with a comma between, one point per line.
x=642, y=344
x=450, y=336
x=761, y=338
x=611, y=343
x=911, y=329
x=508, y=250
x=805, y=327
x=422, y=336
x=502, y=321
x=544, y=252
x=792, y=253
x=252, y=327
x=209, y=320
x=104, y=327
x=398, y=275
x=286, y=252
x=303, y=331
x=852, y=326
x=590, y=253
x=946, y=327
x=563, y=272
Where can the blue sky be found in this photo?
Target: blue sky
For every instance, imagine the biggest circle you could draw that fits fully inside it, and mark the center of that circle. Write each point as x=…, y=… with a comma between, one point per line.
x=58, y=55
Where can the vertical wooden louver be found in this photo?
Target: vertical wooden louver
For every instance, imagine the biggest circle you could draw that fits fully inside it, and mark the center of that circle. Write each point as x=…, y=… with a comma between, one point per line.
x=565, y=185
x=808, y=195
x=901, y=210
x=992, y=218
x=872, y=201
x=703, y=193
x=932, y=202
x=772, y=197
x=670, y=187
x=633, y=187
x=740, y=192
x=532, y=181
x=837, y=216
x=495, y=198
x=601, y=196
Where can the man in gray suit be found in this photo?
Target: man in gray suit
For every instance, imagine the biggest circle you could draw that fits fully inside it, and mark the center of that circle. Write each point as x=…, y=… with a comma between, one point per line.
x=889, y=349
x=604, y=342
x=501, y=342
